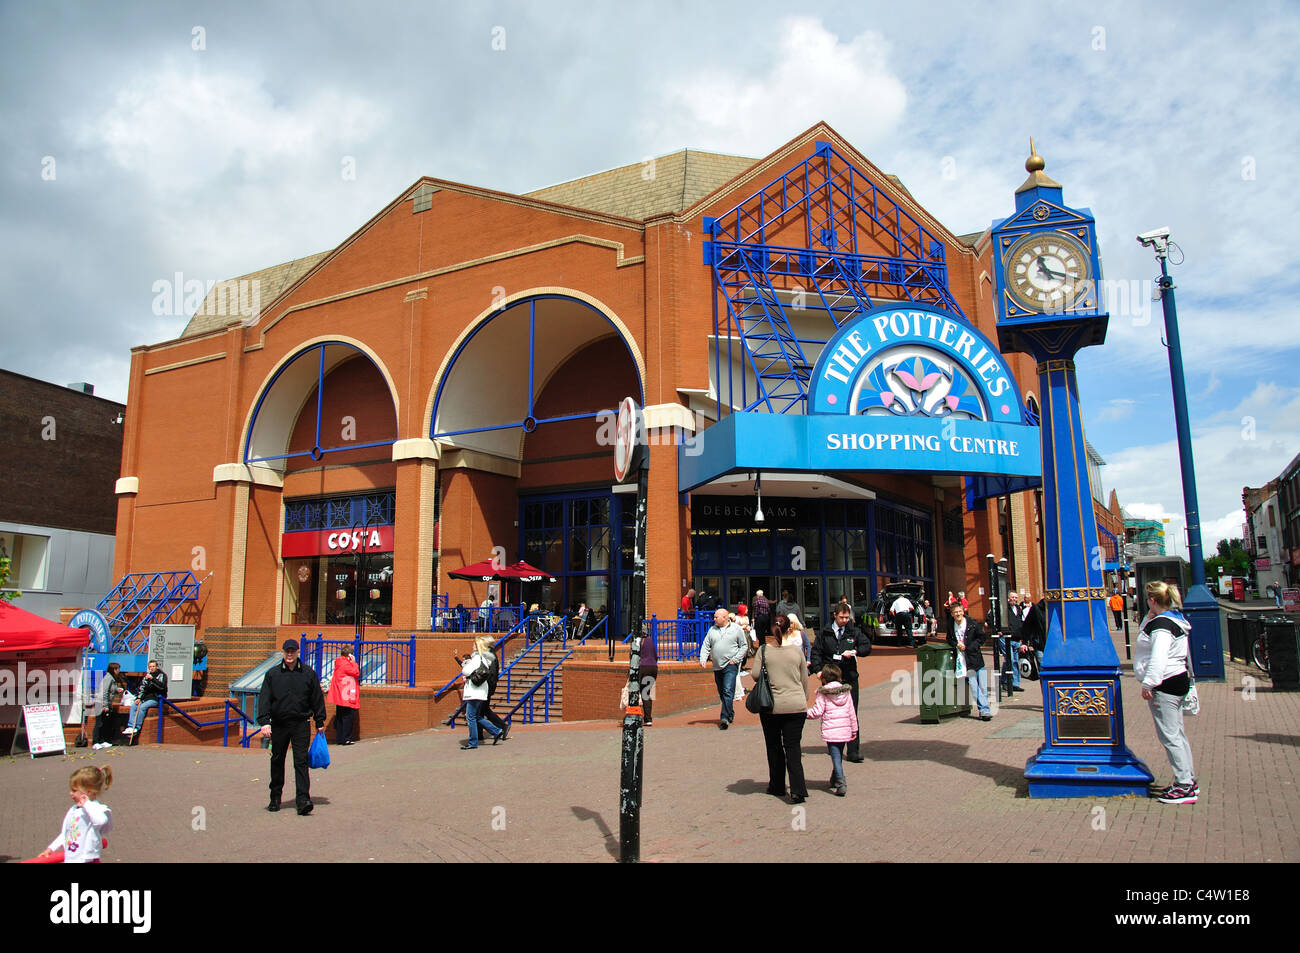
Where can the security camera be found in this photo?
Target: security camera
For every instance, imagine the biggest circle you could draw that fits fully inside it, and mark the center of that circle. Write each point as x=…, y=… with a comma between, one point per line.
x=1153, y=236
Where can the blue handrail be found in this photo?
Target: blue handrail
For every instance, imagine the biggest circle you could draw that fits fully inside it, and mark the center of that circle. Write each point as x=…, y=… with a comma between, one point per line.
x=382, y=661
x=548, y=679
x=224, y=720
x=518, y=627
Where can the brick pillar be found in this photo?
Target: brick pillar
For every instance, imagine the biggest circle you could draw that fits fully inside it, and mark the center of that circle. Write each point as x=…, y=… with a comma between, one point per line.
x=665, y=539
x=232, y=480
x=417, y=472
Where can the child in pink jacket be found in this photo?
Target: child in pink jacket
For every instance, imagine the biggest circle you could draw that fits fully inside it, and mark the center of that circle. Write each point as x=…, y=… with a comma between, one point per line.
x=834, y=706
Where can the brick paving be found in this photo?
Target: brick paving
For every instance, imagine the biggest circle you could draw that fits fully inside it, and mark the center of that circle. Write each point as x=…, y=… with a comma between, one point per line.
x=948, y=792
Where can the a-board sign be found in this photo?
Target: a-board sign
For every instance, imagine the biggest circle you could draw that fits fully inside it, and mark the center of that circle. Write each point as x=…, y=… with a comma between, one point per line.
x=1291, y=600
x=44, y=729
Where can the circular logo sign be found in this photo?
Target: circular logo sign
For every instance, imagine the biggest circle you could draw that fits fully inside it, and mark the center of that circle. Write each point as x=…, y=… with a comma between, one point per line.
x=304, y=573
x=625, y=442
x=100, y=633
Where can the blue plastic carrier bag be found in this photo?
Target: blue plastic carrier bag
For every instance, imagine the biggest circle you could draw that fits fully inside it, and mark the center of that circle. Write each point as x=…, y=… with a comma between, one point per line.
x=318, y=755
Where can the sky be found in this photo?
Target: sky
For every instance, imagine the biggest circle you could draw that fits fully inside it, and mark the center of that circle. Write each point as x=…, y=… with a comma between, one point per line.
x=144, y=140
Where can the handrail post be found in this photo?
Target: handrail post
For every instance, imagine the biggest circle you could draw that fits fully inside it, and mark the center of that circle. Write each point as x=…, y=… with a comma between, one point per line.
x=410, y=664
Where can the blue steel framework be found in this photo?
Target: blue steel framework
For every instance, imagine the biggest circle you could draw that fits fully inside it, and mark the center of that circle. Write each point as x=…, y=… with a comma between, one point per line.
x=317, y=451
x=830, y=205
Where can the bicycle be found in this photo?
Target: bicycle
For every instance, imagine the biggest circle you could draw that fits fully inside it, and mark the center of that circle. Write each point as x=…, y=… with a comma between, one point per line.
x=1259, y=653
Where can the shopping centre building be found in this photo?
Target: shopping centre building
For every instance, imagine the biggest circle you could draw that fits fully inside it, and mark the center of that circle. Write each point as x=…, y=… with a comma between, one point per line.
x=331, y=437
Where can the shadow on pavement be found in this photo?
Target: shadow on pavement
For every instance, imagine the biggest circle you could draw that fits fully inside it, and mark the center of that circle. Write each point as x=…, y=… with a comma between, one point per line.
x=1292, y=741
x=747, y=786
x=950, y=754
x=611, y=842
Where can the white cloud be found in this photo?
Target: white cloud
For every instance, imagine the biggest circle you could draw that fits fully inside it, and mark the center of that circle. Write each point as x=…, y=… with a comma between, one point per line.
x=1118, y=408
x=814, y=76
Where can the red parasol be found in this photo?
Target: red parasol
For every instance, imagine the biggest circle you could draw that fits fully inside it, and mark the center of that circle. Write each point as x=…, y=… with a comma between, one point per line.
x=21, y=630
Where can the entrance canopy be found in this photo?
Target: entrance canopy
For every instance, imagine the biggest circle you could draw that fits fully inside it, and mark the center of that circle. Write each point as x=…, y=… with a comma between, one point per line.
x=905, y=388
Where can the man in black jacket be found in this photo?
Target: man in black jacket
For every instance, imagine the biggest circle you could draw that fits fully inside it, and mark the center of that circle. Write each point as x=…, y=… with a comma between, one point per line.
x=153, y=688
x=843, y=643
x=967, y=636
x=290, y=697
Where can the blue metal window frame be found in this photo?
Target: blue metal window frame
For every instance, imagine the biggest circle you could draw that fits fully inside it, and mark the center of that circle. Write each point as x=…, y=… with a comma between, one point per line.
x=317, y=451
x=615, y=504
x=316, y=513
x=529, y=423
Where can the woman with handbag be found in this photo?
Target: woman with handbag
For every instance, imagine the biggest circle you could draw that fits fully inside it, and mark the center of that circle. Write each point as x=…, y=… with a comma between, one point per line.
x=345, y=695
x=477, y=670
x=780, y=696
x=1161, y=664
x=108, y=723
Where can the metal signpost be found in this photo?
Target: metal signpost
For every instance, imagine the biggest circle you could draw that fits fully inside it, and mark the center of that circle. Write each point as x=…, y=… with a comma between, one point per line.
x=629, y=457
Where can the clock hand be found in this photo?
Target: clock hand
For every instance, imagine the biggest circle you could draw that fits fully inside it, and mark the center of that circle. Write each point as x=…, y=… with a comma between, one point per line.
x=1042, y=266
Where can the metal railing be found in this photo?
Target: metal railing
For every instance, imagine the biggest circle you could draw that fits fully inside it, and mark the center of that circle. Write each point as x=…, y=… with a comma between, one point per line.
x=546, y=683
x=382, y=661
x=227, y=709
x=476, y=619
x=678, y=639
x=519, y=627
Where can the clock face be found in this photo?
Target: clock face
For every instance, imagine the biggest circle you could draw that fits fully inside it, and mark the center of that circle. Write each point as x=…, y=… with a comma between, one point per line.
x=1048, y=271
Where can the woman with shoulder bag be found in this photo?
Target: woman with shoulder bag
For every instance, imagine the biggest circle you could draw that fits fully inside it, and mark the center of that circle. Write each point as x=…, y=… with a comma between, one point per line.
x=108, y=723
x=477, y=670
x=780, y=660
x=1161, y=663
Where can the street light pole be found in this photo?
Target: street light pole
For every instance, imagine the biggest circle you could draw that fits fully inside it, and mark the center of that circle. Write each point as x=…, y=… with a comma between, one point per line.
x=1200, y=606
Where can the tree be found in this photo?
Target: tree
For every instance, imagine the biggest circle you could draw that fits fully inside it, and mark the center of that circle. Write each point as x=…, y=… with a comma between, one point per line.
x=1232, y=556
x=6, y=594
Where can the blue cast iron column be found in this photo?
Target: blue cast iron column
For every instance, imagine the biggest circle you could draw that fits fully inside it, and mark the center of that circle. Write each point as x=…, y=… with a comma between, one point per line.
x=1084, y=753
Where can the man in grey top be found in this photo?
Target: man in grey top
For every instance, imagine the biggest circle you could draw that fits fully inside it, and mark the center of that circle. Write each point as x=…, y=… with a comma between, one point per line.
x=726, y=646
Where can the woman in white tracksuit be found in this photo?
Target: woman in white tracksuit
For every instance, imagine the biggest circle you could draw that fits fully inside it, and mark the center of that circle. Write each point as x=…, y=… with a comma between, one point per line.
x=1161, y=662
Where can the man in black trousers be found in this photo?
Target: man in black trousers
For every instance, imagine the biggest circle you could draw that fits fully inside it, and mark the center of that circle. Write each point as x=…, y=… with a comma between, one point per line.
x=290, y=697
x=843, y=643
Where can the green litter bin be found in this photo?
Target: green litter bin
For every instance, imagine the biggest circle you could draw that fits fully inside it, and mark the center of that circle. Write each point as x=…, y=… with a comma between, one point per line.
x=942, y=693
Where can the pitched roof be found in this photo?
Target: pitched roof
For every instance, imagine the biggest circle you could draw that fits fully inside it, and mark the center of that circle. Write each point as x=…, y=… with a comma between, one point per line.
x=668, y=183
x=221, y=307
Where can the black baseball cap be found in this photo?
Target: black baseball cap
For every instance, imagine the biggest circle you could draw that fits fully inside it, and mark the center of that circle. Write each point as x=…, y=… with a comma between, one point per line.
x=290, y=645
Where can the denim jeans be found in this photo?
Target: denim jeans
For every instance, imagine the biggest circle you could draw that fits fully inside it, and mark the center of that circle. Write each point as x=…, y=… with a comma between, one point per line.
x=477, y=721
x=836, y=750
x=725, y=679
x=136, y=708
x=1015, y=663
x=978, y=689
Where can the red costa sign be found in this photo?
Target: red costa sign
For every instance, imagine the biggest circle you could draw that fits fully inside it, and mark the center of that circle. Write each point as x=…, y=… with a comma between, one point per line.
x=376, y=539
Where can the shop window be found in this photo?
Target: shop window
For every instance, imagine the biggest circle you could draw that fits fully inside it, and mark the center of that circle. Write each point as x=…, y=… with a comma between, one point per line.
x=28, y=559
x=326, y=590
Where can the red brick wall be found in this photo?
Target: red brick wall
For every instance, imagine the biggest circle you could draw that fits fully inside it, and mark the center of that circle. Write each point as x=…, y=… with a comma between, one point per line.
x=592, y=689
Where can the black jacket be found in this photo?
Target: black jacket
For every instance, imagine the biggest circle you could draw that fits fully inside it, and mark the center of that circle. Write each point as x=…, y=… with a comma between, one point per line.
x=1015, y=621
x=153, y=686
x=826, y=646
x=1034, y=629
x=976, y=634
x=291, y=695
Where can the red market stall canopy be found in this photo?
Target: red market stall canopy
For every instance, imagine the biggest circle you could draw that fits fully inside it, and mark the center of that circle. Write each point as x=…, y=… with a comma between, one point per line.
x=22, y=631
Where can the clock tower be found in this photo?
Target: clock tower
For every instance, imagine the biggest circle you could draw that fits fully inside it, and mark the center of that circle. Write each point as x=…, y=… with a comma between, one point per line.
x=1047, y=271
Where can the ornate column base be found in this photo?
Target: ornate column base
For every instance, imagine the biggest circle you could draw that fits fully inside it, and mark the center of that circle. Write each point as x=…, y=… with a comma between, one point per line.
x=1085, y=754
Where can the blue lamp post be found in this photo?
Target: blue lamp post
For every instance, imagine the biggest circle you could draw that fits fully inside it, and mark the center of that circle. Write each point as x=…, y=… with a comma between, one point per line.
x=1200, y=606
x=1046, y=267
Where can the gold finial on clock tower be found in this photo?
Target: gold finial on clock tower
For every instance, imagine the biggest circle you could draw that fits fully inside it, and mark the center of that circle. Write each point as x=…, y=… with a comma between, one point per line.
x=1034, y=165
x=1035, y=162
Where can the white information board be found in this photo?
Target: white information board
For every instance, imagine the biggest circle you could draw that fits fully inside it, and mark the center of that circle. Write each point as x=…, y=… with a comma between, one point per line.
x=44, y=729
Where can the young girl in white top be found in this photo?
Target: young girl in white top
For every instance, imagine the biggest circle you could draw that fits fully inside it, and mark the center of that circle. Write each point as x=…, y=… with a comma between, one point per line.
x=87, y=821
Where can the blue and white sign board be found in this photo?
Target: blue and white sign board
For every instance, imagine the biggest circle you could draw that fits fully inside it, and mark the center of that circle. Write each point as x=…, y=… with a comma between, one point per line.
x=901, y=388
x=100, y=634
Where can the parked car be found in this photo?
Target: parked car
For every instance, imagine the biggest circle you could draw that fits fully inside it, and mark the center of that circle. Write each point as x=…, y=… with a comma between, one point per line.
x=915, y=592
